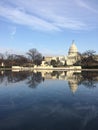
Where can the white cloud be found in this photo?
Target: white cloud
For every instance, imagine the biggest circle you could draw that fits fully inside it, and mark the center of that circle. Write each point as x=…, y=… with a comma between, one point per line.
x=50, y=15
x=20, y=17
x=86, y=5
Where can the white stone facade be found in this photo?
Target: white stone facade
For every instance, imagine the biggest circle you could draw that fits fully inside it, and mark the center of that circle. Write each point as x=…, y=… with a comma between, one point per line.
x=71, y=58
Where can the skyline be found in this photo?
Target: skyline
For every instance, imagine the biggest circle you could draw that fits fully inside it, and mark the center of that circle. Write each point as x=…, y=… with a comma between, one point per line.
x=49, y=26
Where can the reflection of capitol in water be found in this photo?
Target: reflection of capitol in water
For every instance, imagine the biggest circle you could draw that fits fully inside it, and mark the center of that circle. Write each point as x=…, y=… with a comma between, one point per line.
x=34, y=78
x=73, y=77
x=73, y=84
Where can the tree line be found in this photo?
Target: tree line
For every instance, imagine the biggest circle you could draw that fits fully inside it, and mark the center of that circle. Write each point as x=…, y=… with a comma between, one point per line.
x=31, y=58
x=87, y=59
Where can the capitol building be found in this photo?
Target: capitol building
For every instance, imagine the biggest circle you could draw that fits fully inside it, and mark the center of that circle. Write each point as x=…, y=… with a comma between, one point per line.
x=70, y=59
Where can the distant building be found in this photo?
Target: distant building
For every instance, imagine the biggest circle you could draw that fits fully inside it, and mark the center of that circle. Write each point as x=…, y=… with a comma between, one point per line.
x=72, y=55
x=70, y=59
x=48, y=58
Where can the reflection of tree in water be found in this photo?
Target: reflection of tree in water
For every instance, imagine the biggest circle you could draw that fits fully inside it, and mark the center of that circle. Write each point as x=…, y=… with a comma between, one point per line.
x=13, y=77
x=89, y=84
x=35, y=79
x=17, y=76
x=89, y=79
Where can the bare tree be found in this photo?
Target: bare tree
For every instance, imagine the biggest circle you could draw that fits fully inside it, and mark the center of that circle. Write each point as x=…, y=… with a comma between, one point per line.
x=88, y=53
x=35, y=56
x=87, y=59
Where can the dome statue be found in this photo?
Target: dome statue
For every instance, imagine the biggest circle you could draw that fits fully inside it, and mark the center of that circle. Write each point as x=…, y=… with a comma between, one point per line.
x=73, y=49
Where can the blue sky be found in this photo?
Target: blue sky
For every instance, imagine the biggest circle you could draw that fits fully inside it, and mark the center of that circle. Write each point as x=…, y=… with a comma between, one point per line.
x=48, y=25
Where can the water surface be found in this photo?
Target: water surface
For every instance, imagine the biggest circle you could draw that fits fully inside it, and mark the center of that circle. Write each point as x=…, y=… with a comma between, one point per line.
x=48, y=100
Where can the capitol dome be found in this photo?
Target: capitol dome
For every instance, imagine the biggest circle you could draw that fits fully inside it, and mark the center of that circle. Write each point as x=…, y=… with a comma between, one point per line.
x=73, y=49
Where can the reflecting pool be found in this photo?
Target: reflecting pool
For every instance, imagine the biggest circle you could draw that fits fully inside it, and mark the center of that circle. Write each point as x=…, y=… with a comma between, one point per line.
x=49, y=100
